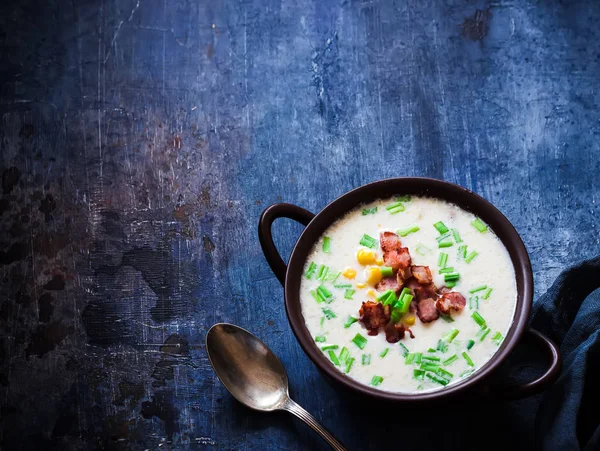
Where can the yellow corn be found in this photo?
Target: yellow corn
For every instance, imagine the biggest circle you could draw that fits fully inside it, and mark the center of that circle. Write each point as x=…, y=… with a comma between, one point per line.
x=361, y=285
x=366, y=256
x=349, y=273
x=410, y=321
x=371, y=293
x=373, y=275
x=379, y=261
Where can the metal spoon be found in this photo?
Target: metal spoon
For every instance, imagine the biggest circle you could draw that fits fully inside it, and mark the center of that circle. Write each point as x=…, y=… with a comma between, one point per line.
x=254, y=375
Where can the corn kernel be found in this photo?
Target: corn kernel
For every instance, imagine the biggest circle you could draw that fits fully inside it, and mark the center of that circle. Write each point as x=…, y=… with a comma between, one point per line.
x=373, y=275
x=361, y=285
x=371, y=293
x=366, y=256
x=349, y=273
x=379, y=261
x=410, y=321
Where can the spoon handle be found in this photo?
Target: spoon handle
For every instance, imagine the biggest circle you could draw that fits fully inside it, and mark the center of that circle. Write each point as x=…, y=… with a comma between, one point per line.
x=298, y=411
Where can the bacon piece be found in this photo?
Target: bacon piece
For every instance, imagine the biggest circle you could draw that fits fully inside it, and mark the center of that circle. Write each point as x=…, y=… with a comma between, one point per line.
x=451, y=301
x=426, y=310
x=399, y=260
x=422, y=274
x=374, y=315
x=395, y=332
x=389, y=283
x=389, y=241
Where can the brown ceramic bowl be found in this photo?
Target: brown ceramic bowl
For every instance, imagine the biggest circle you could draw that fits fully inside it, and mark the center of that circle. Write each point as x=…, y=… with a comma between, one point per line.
x=291, y=276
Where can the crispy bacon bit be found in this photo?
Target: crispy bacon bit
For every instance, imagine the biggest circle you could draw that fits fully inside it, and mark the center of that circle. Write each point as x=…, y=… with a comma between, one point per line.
x=426, y=310
x=374, y=315
x=389, y=241
x=422, y=274
x=451, y=300
x=395, y=332
x=389, y=283
x=399, y=260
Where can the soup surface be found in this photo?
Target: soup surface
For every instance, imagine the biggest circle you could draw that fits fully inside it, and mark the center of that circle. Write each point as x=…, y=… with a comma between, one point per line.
x=408, y=294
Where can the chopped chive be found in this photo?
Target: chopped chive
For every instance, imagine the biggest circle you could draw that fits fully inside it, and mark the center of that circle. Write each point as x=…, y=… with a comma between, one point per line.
x=447, y=317
x=324, y=293
x=405, y=198
x=446, y=243
x=406, y=300
x=366, y=359
x=333, y=358
x=450, y=335
x=479, y=288
x=368, y=241
x=410, y=229
x=429, y=366
x=315, y=295
x=456, y=236
x=376, y=381
x=328, y=347
x=310, y=270
x=386, y=271
x=431, y=350
x=322, y=321
x=471, y=256
x=444, y=373
x=497, y=338
x=322, y=272
x=462, y=251
x=384, y=352
x=418, y=374
x=437, y=379
x=422, y=249
x=344, y=354
x=332, y=277
x=328, y=313
x=396, y=315
x=468, y=359
x=466, y=373
x=351, y=320
x=483, y=333
x=320, y=339
x=394, y=208
x=440, y=227
x=479, y=225
x=451, y=277
x=326, y=244
x=387, y=297
x=418, y=357
x=349, y=293
x=349, y=363
x=444, y=236
x=470, y=344
x=404, y=350
x=446, y=270
x=431, y=358
x=410, y=358
x=343, y=285
x=442, y=260
x=451, y=284
x=359, y=341
x=442, y=346
x=473, y=302
x=451, y=359
x=487, y=293
x=478, y=318
x=369, y=211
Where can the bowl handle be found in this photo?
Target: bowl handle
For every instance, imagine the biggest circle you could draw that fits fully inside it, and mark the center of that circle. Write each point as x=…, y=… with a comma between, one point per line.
x=265, y=236
x=523, y=390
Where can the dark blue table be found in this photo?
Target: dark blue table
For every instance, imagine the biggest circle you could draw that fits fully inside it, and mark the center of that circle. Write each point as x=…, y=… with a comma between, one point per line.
x=141, y=139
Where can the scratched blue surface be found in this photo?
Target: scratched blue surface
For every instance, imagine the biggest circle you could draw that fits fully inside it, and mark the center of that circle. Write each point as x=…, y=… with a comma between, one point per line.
x=141, y=139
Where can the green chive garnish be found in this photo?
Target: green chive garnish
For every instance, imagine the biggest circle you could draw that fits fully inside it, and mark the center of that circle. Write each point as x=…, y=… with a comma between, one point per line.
x=450, y=359
x=448, y=318
x=366, y=359
x=349, y=363
x=431, y=358
x=326, y=244
x=422, y=249
x=450, y=284
x=487, y=293
x=479, y=288
x=431, y=350
x=462, y=251
x=396, y=315
x=466, y=373
x=369, y=211
x=440, y=227
x=394, y=208
x=456, y=236
x=442, y=260
x=351, y=320
x=470, y=344
x=474, y=302
x=497, y=338
x=310, y=270
x=478, y=318
x=322, y=321
x=410, y=358
x=333, y=358
x=446, y=270
x=418, y=374
x=404, y=350
x=344, y=354
x=359, y=341
x=368, y=241
x=446, y=243
x=483, y=333
x=376, y=381
x=406, y=300
x=436, y=379
x=384, y=352
x=386, y=271
x=328, y=313
x=418, y=357
x=450, y=335
x=343, y=285
x=322, y=272
x=333, y=276
x=471, y=256
x=387, y=297
x=442, y=346
x=444, y=373
x=468, y=359
x=405, y=198
x=479, y=225
x=429, y=366
x=349, y=293
x=444, y=236
x=329, y=347
x=451, y=277
x=320, y=339
x=324, y=294
x=410, y=229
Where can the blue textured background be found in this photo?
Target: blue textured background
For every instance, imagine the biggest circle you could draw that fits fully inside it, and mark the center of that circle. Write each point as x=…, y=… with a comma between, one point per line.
x=141, y=139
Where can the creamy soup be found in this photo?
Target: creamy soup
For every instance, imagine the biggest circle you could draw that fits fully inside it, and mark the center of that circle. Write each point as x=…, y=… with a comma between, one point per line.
x=408, y=294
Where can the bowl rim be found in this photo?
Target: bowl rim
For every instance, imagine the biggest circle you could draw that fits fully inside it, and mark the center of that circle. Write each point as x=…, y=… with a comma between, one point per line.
x=457, y=195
